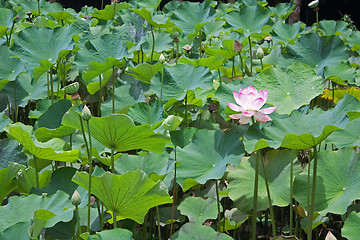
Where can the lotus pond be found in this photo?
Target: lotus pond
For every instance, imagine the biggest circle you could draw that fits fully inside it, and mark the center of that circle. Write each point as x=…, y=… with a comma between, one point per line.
x=197, y=121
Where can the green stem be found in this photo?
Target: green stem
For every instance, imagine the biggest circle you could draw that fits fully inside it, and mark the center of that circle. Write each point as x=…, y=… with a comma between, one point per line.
x=142, y=54
x=309, y=235
x=291, y=196
x=308, y=191
x=112, y=161
x=218, y=204
x=100, y=97
x=39, y=11
x=73, y=228
x=233, y=68
x=158, y=222
x=272, y=215
x=52, y=86
x=219, y=76
x=36, y=172
x=153, y=46
x=251, y=64
x=148, y=112
x=186, y=111
x=174, y=197
x=256, y=185
x=102, y=4
x=262, y=65
x=10, y=35
x=78, y=221
x=177, y=52
x=317, y=20
x=114, y=220
x=15, y=103
x=113, y=92
x=48, y=84
x=99, y=213
x=241, y=64
x=90, y=173
x=162, y=82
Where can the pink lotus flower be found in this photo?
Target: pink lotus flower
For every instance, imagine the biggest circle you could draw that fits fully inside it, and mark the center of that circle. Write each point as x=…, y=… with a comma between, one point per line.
x=250, y=101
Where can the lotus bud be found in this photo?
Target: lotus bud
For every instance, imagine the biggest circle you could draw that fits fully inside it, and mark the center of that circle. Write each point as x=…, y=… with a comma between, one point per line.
x=72, y=88
x=237, y=46
x=260, y=53
x=76, y=198
x=86, y=114
x=162, y=58
x=314, y=4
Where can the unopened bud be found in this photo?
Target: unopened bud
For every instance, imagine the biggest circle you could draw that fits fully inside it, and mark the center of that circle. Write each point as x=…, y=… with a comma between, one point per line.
x=162, y=58
x=314, y=4
x=86, y=114
x=237, y=46
x=260, y=53
x=76, y=198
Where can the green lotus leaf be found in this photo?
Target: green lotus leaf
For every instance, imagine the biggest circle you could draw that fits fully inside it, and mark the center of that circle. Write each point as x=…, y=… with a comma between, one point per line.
x=23, y=209
x=110, y=11
x=33, y=45
x=145, y=71
x=285, y=33
x=207, y=156
x=290, y=89
x=163, y=42
x=143, y=113
x=41, y=107
x=241, y=180
x=32, y=6
x=198, y=210
x=4, y=120
x=51, y=119
x=6, y=20
x=337, y=183
x=10, y=151
x=340, y=74
x=315, y=51
x=226, y=50
x=100, y=49
x=61, y=16
x=249, y=20
x=181, y=138
x=10, y=68
x=156, y=21
x=17, y=231
x=233, y=219
x=146, y=3
x=214, y=28
x=44, y=134
x=331, y=27
x=199, y=232
x=119, y=132
x=26, y=90
x=113, y=234
x=353, y=41
x=51, y=150
x=189, y=16
x=350, y=229
x=300, y=131
x=130, y=195
x=152, y=163
x=26, y=179
x=7, y=182
x=95, y=69
x=347, y=137
x=283, y=10
x=213, y=62
x=180, y=78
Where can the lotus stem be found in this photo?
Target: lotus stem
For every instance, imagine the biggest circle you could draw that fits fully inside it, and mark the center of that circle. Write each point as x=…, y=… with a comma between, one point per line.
x=52, y=86
x=99, y=213
x=15, y=103
x=219, y=76
x=291, y=196
x=114, y=220
x=153, y=46
x=39, y=11
x=90, y=173
x=256, y=185
x=113, y=91
x=10, y=35
x=102, y=4
x=313, y=194
x=317, y=19
x=36, y=173
x=174, y=197
x=48, y=84
x=233, y=68
x=177, y=52
x=100, y=97
x=308, y=195
x=186, y=111
x=241, y=62
x=218, y=203
x=142, y=54
x=112, y=161
x=78, y=220
x=251, y=63
x=162, y=82
x=158, y=222
x=272, y=215
x=262, y=65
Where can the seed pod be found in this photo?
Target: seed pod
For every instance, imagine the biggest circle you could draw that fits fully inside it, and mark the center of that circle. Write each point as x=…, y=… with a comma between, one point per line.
x=314, y=4
x=72, y=88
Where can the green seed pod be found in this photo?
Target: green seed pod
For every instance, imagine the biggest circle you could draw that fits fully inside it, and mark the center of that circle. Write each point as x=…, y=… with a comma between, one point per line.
x=86, y=114
x=72, y=88
x=314, y=4
x=76, y=198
